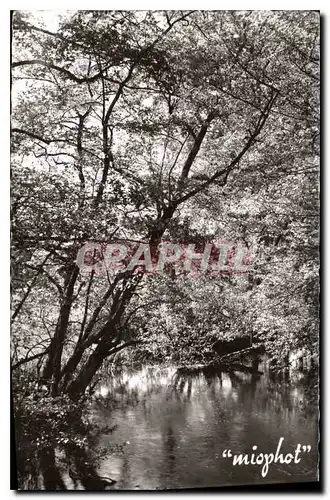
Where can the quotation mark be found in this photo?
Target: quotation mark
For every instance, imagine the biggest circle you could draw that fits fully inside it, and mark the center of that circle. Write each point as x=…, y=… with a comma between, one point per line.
x=226, y=454
x=306, y=448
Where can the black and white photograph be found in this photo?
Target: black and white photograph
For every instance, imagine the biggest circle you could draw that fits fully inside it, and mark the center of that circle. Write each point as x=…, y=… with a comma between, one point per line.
x=164, y=249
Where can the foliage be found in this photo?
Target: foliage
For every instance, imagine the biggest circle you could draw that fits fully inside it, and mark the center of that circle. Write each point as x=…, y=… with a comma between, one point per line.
x=122, y=127
x=44, y=424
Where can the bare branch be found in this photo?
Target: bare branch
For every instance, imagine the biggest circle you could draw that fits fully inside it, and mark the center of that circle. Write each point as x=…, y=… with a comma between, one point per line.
x=29, y=358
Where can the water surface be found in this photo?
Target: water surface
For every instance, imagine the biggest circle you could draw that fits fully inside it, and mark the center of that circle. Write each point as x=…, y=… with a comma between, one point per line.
x=175, y=428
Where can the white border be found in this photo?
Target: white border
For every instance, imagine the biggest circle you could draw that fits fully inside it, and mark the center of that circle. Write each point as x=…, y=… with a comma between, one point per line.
x=168, y=4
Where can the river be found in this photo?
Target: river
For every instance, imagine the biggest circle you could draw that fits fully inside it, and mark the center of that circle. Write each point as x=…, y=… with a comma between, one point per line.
x=173, y=429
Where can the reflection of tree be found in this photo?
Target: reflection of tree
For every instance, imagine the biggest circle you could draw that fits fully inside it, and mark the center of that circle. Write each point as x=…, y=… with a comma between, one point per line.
x=212, y=408
x=131, y=388
x=169, y=447
x=126, y=467
x=47, y=472
x=189, y=387
x=50, y=472
x=183, y=383
x=84, y=470
x=271, y=392
x=198, y=415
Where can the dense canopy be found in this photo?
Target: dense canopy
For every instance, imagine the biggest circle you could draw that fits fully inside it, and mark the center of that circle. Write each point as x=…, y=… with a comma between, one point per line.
x=187, y=126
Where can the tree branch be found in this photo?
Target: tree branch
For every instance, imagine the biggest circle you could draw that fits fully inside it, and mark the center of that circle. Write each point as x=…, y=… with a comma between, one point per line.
x=65, y=72
x=31, y=134
x=260, y=123
x=29, y=358
x=195, y=149
x=50, y=277
x=123, y=346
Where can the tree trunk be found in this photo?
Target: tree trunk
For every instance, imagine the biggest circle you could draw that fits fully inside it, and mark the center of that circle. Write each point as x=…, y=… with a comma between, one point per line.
x=71, y=366
x=78, y=387
x=52, y=369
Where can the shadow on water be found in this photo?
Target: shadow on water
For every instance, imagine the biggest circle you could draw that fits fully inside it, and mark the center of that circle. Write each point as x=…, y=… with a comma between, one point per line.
x=178, y=422
x=172, y=428
x=70, y=469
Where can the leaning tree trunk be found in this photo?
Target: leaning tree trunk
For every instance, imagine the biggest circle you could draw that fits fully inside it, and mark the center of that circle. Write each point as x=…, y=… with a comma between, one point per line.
x=78, y=386
x=52, y=370
x=108, y=337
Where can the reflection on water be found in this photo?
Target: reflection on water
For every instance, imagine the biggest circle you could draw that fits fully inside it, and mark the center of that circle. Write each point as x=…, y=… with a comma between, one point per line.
x=176, y=428
x=69, y=469
x=172, y=428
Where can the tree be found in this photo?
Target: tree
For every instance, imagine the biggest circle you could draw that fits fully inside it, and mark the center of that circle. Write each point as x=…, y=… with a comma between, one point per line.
x=121, y=127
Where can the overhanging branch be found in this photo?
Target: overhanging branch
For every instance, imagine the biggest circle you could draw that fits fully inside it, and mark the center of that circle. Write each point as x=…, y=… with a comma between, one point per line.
x=226, y=171
x=29, y=358
x=68, y=74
